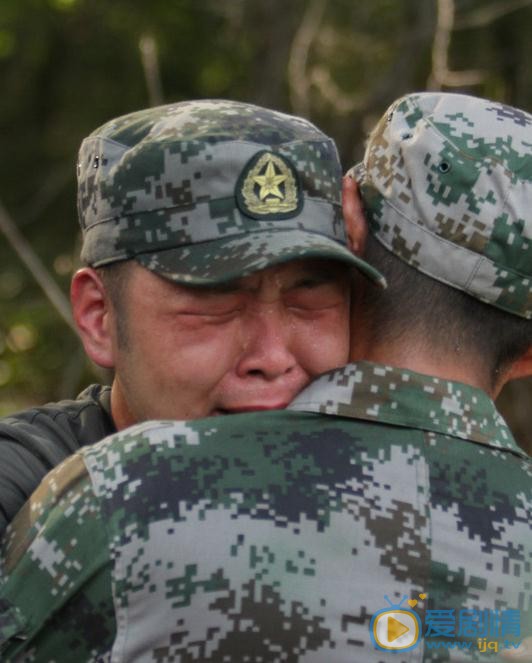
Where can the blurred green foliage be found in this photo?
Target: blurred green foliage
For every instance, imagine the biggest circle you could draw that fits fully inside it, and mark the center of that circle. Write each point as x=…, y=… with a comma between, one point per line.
x=67, y=66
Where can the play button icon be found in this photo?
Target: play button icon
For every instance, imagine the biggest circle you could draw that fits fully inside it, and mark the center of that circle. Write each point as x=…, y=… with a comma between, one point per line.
x=395, y=629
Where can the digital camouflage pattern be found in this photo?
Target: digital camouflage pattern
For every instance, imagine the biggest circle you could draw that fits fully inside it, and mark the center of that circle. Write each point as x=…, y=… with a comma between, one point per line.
x=452, y=408
x=274, y=536
x=207, y=191
x=448, y=174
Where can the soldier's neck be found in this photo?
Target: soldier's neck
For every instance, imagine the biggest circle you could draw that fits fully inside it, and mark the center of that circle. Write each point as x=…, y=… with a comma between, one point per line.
x=120, y=411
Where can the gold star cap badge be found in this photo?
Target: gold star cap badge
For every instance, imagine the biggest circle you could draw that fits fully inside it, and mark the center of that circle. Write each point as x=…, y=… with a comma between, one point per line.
x=268, y=188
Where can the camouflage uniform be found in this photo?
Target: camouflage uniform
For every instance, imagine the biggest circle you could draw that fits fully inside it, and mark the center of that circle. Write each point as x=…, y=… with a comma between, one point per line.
x=274, y=536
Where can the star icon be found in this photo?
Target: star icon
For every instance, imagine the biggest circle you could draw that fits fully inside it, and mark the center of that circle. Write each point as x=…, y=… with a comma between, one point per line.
x=269, y=182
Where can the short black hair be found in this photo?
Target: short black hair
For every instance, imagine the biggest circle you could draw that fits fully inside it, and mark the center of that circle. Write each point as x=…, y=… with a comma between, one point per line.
x=115, y=277
x=421, y=308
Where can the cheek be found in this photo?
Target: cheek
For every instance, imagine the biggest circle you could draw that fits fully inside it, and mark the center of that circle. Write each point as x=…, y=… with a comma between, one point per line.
x=200, y=357
x=323, y=344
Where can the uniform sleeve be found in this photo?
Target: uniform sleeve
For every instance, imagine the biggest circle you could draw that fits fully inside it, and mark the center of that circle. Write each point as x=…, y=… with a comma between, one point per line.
x=55, y=588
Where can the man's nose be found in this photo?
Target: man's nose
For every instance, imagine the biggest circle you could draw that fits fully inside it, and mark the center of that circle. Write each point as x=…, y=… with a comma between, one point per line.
x=267, y=347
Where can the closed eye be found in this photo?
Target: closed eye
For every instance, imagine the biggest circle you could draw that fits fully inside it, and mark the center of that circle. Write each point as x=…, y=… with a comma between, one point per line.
x=217, y=314
x=314, y=295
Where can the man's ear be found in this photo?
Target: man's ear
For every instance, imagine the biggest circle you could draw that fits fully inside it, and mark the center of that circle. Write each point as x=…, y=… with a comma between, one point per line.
x=355, y=222
x=91, y=310
x=521, y=368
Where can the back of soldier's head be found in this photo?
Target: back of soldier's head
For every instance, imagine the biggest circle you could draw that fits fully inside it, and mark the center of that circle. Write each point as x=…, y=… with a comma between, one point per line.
x=446, y=184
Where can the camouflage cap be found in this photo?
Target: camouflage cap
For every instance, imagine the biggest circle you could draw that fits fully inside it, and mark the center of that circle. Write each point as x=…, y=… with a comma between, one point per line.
x=202, y=192
x=447, y=187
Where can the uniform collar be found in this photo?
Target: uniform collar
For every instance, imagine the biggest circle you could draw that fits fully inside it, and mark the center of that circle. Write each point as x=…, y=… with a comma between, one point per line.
x=375, y=392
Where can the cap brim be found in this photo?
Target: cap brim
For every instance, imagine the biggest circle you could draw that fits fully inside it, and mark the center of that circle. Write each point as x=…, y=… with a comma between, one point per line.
x=229, y=258
x=357, y=172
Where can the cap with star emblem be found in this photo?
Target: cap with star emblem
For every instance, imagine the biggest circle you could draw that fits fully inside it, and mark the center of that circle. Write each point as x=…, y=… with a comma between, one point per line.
x=203, y=192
